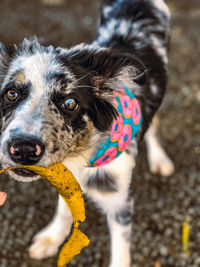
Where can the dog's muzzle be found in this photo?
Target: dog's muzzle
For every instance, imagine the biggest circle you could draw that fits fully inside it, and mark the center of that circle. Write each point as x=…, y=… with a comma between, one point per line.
x=25, y=152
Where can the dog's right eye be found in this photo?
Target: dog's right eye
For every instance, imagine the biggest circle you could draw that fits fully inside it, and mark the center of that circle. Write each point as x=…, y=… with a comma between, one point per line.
x=70, y=104
x=11, y=95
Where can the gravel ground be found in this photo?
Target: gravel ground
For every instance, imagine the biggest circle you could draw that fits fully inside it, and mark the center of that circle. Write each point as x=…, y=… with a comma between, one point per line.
x=161, y=204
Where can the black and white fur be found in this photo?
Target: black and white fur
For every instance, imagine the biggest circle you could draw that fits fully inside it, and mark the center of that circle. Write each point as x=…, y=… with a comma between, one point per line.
x=131, y=48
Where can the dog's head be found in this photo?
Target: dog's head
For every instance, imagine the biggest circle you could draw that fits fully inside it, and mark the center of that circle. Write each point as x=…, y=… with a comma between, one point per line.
x=56, y=103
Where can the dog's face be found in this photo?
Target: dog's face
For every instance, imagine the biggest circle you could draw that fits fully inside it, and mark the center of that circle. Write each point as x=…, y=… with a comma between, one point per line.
x=54, y=101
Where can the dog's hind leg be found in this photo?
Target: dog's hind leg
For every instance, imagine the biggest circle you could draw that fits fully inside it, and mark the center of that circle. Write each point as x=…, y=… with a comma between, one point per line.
x=47, y=241
x=159, y=162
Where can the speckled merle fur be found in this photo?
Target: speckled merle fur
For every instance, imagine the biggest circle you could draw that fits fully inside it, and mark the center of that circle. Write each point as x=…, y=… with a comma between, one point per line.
x=130, y=48
x=141, y=28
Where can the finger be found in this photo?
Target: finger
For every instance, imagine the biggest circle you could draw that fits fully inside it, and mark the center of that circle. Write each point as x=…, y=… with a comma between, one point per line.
x=2, y=198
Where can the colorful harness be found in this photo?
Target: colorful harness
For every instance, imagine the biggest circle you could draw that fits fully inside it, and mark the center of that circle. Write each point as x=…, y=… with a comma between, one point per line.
x=124, y=128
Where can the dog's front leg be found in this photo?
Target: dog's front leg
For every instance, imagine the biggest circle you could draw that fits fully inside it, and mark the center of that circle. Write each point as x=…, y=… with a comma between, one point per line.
x=113, y=198
x=120, y=226
x=48, y=240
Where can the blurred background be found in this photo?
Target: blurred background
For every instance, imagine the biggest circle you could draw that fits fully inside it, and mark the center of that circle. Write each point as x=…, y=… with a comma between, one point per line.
x=162, y=205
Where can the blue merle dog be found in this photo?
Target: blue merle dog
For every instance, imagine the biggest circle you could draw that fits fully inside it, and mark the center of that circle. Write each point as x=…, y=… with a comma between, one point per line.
x=57, y=106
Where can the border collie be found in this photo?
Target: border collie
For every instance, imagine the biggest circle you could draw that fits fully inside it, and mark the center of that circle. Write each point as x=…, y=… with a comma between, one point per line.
x=89, y=107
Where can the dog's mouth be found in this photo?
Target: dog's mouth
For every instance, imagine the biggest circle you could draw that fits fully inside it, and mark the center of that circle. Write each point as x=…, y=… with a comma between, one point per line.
x=24, y=172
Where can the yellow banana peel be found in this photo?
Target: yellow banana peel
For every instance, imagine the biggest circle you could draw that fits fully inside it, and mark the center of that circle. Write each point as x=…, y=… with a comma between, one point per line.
x=68, y=187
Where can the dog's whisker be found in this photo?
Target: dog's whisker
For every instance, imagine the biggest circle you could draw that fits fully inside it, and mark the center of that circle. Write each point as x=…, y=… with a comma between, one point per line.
x=83, y=77
x=87, y=86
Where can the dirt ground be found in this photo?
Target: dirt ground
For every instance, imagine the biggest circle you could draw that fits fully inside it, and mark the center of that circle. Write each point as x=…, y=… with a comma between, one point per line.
x=161, y=204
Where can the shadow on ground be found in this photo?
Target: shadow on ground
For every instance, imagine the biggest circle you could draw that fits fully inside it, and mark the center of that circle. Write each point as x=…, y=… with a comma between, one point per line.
x=161, y=204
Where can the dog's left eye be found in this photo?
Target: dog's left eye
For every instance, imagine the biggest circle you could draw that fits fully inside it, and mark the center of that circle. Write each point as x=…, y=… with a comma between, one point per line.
x=12, y=95
x=70, y=104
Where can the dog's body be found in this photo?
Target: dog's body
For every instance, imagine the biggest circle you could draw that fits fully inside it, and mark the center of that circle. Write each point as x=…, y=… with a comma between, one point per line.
x=56, y=105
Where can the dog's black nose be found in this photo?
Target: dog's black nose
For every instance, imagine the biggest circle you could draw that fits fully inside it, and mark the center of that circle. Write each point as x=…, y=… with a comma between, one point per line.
x=26, y=152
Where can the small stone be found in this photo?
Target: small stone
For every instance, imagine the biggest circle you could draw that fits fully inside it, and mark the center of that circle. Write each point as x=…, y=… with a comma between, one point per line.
x=97, y=255
x=164, y=251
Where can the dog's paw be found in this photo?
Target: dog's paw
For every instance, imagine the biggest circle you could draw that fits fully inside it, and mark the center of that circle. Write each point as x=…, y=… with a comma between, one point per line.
x=46, y=242
x=43, y=248
x=160, y=163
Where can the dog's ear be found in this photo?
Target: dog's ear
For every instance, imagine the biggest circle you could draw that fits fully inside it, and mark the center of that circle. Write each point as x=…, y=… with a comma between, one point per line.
x=6, y=54
x=104, y=70
x=108, y=63
x=105, y=64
